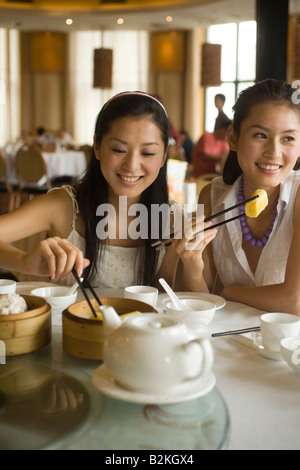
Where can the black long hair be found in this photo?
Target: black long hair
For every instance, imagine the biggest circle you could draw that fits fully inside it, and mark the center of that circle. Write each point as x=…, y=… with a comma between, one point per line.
x=262, y=92
x=92, y=191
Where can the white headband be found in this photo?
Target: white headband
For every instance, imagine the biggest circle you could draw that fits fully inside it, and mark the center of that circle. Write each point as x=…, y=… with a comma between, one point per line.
x=140, y=93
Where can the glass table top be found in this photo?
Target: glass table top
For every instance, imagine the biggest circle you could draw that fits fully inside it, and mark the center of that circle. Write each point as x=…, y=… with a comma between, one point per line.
x=48, y=401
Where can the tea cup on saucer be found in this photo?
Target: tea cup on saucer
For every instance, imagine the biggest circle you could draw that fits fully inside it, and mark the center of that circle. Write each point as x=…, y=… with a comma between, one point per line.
x=199, y=313
x=146, y=294
x=276, y=326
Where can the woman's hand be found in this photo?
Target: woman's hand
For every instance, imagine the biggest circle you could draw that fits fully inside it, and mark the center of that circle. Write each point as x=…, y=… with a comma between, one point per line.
x=62, y=398
x=54, y=257
x=190, y=249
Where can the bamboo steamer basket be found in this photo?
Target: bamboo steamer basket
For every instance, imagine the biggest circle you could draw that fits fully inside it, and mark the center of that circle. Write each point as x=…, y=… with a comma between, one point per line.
x=29, y=331
x=83, y=336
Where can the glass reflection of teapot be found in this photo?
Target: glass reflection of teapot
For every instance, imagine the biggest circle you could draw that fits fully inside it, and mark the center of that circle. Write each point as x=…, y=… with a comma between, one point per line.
x=151, y=352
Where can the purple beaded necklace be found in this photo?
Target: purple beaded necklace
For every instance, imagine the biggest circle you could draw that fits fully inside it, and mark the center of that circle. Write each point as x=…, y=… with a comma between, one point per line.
x=244, y=227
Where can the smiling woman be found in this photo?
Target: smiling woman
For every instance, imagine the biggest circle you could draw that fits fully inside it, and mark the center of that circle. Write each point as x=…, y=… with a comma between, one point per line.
x=128, y=161
x=258, y=259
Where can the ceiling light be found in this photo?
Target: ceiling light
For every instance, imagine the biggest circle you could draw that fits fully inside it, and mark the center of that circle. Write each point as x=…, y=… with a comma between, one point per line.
x=169, y=19
x=69, y=21
x=120, y=20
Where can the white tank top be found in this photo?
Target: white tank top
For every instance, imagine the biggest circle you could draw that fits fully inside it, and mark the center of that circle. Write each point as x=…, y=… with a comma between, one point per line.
x=119, y=265
x=229, y=257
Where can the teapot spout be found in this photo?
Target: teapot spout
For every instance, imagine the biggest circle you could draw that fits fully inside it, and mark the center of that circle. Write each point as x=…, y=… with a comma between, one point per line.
x=111, y=319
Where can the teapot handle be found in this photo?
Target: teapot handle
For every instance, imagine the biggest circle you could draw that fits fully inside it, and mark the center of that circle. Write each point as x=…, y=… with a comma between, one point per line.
x=199, y=358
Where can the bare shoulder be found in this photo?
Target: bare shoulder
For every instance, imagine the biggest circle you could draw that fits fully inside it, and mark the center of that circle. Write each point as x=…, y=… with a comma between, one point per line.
x=60, y=210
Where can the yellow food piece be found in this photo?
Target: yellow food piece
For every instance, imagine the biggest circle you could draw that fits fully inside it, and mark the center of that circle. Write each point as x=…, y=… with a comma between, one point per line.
x=100, y=317
x=255, y=207
x=130, y=313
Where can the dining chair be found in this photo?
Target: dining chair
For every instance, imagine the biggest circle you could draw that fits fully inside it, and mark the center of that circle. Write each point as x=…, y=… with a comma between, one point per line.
x=6, y=189
x=32, y=173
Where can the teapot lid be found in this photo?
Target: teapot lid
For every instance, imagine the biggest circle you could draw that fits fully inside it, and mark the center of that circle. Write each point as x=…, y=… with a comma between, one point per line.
x=152, y=322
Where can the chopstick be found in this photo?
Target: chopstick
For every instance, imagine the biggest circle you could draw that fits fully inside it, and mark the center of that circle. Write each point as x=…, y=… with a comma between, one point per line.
x=236, y=332
x=86, y=285
x=160, y=244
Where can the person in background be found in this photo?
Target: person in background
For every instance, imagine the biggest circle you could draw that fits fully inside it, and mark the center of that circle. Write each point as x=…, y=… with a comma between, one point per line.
x=186, y=144
x=210, y=152
x=64, y=139
x=45, y=140
x=219, y=104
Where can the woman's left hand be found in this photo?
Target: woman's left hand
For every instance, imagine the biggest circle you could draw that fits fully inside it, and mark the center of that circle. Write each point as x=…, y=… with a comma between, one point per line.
x=191, y=246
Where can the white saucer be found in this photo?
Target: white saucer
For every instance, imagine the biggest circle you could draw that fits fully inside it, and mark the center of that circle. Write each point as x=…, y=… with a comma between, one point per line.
x=104, y=382
x=267, y=353
x=219, y=302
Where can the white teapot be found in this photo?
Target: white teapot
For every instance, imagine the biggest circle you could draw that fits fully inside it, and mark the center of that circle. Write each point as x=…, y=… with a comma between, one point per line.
x=151, y=353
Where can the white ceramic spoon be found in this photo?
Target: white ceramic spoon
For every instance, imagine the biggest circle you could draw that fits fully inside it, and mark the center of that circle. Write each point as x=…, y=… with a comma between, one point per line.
x=73, y=288
x=176, y=301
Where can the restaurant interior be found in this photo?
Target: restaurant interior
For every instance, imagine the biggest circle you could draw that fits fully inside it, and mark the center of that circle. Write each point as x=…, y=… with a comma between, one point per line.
x=60, y=62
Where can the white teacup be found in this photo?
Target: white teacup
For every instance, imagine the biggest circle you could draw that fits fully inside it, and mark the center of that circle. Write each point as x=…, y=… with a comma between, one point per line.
x=201, y=314
x=276, y=326
x=7, y=286
x=146, y=294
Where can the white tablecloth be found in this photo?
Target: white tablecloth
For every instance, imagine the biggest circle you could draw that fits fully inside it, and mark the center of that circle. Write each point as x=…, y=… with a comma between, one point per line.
x=263, y=396
x=71, y=163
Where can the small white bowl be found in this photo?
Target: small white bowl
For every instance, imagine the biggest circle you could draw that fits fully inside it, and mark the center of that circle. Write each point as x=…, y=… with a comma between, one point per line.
x=57, y=298
x=290, y=349
x=7, y=286
x=202, y=314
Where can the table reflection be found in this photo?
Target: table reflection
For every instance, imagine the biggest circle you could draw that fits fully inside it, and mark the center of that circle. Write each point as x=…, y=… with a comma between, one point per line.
x=47, y=401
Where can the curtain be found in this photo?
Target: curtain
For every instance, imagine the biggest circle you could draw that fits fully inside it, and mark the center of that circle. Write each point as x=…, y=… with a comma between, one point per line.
x=9, y=86
x=130, y=72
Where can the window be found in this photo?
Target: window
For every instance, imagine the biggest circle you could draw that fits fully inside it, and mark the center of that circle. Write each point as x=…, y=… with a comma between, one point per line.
x=130, y=72
x=9, y=86
x=238, y=65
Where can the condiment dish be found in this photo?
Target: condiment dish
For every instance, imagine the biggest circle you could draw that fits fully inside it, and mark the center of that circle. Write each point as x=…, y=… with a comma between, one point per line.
x=200, y=315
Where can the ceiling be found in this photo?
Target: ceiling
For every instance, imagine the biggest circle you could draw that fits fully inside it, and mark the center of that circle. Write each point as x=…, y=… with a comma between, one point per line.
x=50, y=15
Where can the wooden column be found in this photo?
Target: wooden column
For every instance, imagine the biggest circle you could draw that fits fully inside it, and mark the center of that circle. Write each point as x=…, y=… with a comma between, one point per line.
x=272, y=32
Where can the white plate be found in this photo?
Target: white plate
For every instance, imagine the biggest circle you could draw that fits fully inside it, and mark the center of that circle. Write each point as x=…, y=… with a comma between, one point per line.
x=25, y=288
x=104, y=382
x=267, y=353
x=219, y=302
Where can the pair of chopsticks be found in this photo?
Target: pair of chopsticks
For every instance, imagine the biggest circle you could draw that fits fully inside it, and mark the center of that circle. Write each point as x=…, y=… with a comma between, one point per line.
x=160, y=244
x=83, y=285
x=86, y=285
x=236, y=332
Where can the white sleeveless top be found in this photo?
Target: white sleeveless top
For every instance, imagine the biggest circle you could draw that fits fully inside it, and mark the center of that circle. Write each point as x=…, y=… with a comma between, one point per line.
x=229, y=257
x=118, y=266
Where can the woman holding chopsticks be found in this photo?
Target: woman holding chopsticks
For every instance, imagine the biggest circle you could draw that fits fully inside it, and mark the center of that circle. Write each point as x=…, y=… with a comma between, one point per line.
x=128, y=163
x=257, y=259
